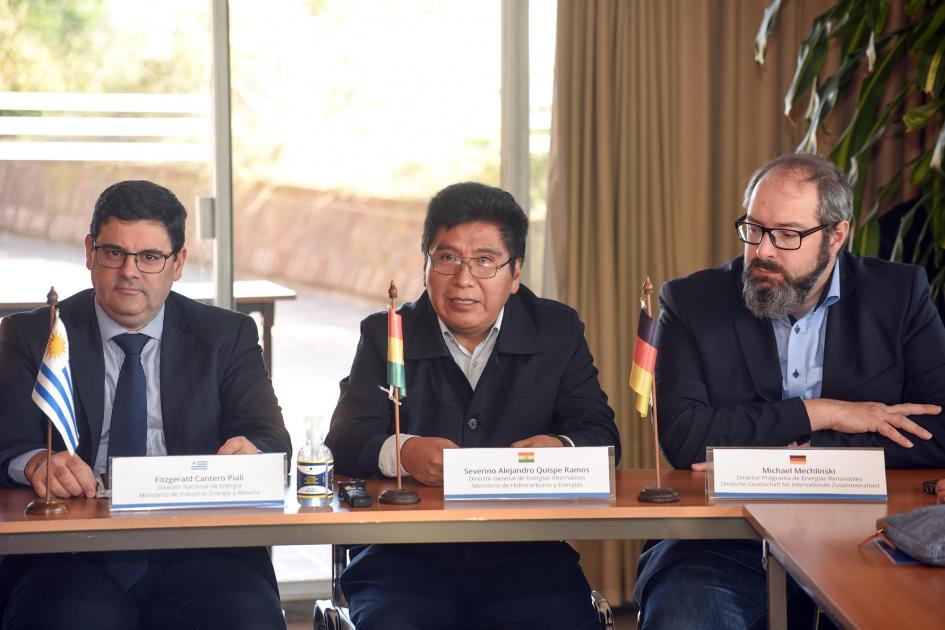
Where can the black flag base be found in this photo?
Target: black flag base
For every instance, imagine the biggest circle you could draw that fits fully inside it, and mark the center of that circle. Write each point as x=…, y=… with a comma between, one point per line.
x=46, y=507
x=653, y=494
x=393, y=496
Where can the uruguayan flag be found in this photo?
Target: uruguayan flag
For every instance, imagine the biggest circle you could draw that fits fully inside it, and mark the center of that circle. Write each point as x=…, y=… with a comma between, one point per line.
x=53, y=390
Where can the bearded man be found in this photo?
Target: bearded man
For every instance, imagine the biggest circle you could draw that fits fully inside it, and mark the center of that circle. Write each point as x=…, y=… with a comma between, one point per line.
x=796, y=342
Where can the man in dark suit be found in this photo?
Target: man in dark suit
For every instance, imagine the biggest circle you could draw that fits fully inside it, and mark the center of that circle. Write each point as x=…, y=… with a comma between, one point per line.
x=488, y=364
x=795, y=343
x=207, y=392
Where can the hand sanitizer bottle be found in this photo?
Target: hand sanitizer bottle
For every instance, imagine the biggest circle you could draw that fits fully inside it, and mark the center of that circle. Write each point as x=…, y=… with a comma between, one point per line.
x=315, y=467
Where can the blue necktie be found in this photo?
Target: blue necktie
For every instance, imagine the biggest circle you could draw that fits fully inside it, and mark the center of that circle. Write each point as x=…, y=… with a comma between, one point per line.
x=128, y=437
x=128, y=432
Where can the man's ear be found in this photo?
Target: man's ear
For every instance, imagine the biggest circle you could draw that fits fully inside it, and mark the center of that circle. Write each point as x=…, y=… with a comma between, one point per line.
x=838, y=236
x=89, y=251
x=517, y=275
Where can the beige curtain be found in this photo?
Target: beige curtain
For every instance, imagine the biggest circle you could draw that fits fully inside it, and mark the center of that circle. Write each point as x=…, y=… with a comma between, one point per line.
x=660, y=115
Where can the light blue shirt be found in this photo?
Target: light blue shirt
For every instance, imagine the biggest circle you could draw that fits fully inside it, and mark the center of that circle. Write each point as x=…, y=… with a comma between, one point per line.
x=801, y=345
x=114, y=357
x=151, y=362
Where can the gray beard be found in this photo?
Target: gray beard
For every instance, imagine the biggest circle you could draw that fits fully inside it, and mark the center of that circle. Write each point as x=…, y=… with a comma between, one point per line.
x=773, y=301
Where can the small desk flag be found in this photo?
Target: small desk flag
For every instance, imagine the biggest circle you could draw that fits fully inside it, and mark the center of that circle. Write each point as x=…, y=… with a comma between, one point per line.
x=644, y=361
x=53, y=389
x=396, y=376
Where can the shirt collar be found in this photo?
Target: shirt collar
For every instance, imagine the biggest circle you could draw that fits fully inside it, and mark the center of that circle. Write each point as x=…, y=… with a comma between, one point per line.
x=109, y=328
x=494, y=331
x=833, y=289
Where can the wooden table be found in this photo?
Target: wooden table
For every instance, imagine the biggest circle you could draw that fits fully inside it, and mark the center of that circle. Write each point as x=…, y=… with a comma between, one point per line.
x=819, y=545
x=90, y=527
x=251, y=296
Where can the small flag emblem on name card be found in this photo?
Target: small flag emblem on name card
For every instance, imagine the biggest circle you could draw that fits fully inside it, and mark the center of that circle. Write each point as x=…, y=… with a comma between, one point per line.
x=526, y=457
x=799, y=459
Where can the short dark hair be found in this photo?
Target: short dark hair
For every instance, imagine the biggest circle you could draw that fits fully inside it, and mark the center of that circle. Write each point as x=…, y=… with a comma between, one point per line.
x=141, y=200
x=470, y=201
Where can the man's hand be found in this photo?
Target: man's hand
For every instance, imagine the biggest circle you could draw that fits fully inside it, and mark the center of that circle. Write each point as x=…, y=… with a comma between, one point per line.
x=69, y=475
x=422, y=457
x=940, y=491
x=238, y=445
x=538, y=441
x=869, y=417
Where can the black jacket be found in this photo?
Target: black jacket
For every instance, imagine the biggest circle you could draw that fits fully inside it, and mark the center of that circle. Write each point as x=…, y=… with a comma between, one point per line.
x=214, y=386
x=540, y=379
x=718, y=377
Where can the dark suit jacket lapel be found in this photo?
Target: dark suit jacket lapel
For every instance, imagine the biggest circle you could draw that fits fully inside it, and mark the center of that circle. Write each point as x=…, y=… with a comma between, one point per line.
x=758, y=346
x=518, y=334
x=842, y=345
x=87, y=362
x=422, y=337
x=177, y=349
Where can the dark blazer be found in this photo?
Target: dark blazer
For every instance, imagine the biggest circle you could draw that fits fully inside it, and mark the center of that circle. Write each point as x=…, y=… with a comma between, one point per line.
x=718, y=377
x=540, y=379
x=213, y=383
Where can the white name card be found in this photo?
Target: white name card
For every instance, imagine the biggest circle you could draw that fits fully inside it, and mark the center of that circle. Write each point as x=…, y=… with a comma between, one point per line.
x=528, y=473
x=835, y=474
x=197, y=481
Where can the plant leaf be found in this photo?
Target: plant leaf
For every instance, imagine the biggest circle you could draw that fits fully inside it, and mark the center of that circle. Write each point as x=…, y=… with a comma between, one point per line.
x=764, y=31
x=810, y=60
x=920, y=171
x=930, y=32
x=919, y=117
x=937, y=152
x=932, y=78
x=905, y=224
x=871, y=95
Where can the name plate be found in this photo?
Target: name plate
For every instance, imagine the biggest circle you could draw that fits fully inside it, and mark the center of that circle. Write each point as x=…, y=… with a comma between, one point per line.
x=197, y=481
x=835, y=474
x=528, y=473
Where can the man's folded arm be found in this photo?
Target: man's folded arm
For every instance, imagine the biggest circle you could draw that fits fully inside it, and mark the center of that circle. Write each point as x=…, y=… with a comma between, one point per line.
x=923, y=364
x=689, y=422
x=361, y=421
x=249, y=404
x=21, y=421
x=581, y=410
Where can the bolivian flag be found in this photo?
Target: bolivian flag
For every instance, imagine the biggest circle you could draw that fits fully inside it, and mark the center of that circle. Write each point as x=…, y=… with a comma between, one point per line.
x=644, y=361
x=396, y=376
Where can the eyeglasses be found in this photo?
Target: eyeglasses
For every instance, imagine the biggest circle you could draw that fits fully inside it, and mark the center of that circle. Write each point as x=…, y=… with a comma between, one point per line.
x=449, y=264
x=782, y=238
x=146, y=262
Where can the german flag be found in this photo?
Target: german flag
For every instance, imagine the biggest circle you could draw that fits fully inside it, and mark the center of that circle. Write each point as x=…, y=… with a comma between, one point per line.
x=799, y=459
x=644, y=360
x=396, y=375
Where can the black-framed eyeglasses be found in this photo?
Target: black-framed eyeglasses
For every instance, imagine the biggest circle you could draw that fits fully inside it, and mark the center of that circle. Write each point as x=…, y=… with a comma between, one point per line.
x=148, y=261
x=782, y=238
x=449, y=264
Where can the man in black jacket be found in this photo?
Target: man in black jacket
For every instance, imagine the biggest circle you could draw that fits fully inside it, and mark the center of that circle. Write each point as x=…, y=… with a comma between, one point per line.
x=794, y=343
x=207, y=391
x=488, y=364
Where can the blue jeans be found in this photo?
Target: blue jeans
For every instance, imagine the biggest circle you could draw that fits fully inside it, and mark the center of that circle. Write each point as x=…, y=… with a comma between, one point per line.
x=469, y=586
x=710, y=584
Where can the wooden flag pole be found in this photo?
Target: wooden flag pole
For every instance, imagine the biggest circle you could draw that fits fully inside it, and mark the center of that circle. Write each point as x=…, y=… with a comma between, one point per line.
x=659, y=493
x=47, y=506
x=397, y=496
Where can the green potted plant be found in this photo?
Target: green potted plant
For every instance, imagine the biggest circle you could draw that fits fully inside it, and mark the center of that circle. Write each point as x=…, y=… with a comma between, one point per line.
x=866, y=54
